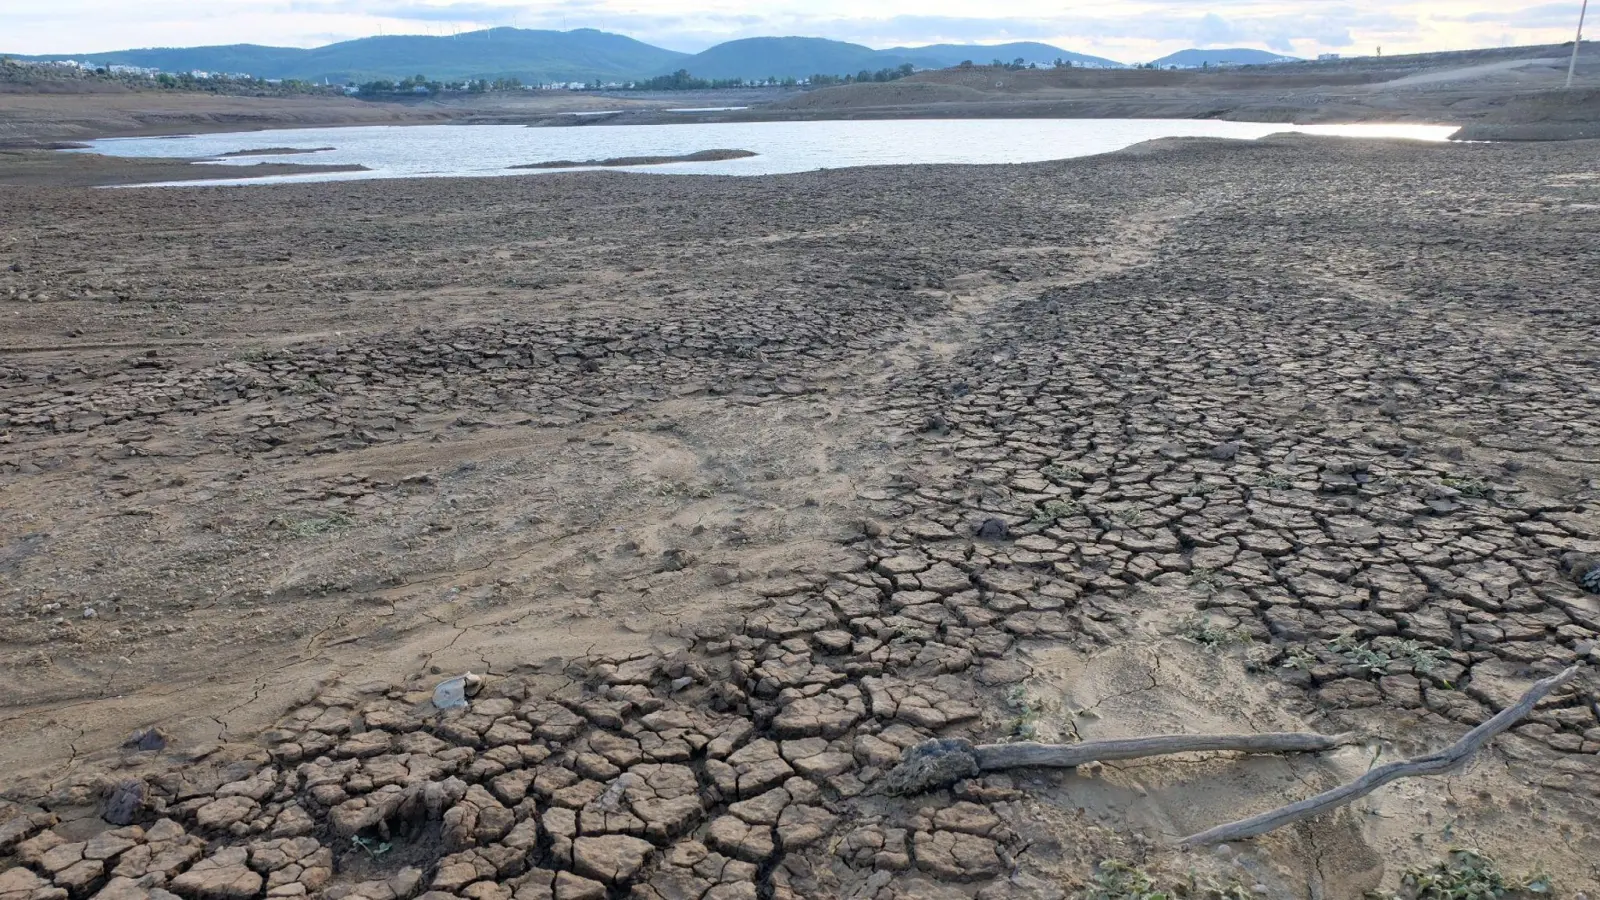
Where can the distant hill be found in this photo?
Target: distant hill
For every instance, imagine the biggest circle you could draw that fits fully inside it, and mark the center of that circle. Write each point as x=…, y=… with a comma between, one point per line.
x=1237, y=56
x=533, y=56
x=554, y=56
x=943, y=56
x=785, y=57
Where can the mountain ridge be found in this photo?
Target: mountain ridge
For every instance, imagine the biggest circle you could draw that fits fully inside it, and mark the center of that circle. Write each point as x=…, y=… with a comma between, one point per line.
x=586, y=54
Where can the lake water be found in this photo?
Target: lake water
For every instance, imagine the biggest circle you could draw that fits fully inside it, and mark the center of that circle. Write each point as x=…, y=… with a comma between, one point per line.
x=458, y=150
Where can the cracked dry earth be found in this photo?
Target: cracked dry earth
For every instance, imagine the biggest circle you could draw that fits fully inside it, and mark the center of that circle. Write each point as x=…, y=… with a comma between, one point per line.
x=738, y=488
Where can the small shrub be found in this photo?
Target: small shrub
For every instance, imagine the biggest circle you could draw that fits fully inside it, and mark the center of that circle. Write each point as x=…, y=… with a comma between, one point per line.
x=1467, y=485
x=1128, y=515
x=1423, y=657
x=1203, y=632
x=1116, y=880
x=1207, y=581
x=1467, y=875
x=1055, y=510
x=1059, y=472
x=1025, y=721
x=306, y=528
x=1361, y=654
x=374, y=849
x=1299, y=658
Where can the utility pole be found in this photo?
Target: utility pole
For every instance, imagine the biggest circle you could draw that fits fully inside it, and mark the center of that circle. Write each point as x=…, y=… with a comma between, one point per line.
x=1572, y=68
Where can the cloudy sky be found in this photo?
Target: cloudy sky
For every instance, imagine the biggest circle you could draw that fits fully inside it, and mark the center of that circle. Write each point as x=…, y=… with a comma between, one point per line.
x=1129, y=30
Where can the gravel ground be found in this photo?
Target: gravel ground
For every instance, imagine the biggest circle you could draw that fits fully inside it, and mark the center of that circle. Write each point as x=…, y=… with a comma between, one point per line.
x=735, y=488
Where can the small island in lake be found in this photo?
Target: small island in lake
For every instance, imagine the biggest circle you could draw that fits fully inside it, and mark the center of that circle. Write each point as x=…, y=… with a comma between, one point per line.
x=700, y=156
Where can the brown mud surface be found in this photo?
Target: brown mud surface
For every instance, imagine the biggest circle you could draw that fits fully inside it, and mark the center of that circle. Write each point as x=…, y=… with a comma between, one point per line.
x=733, y=488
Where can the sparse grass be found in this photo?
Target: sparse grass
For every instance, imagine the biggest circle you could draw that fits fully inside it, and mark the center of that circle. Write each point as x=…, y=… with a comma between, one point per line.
x=1207, y=580
x=307, y=528
x=1025, y=720
x=1055, y=510
x=1466, y=875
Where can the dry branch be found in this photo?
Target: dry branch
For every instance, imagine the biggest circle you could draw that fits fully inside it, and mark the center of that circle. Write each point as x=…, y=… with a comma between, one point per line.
x=936, y=763
x=1433, y=764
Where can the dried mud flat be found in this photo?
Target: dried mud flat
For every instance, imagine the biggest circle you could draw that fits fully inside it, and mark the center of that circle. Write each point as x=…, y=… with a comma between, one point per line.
x=707, y=475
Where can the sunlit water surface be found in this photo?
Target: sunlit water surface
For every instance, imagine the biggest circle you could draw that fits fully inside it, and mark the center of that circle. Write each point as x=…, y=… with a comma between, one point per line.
x=414, y=151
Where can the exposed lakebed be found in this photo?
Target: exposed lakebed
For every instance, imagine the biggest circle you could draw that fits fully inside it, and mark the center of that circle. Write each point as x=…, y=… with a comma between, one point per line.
x=478, y=150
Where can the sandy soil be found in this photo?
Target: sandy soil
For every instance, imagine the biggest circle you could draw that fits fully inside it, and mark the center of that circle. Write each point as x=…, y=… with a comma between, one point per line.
x=1290, y=434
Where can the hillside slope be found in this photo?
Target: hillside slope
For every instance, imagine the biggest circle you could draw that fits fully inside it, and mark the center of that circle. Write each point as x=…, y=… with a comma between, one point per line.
x=1235, y=56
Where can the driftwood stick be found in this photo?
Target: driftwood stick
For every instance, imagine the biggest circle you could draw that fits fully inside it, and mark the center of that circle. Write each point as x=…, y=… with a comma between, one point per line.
x=1064, y=756
x=1438, y=763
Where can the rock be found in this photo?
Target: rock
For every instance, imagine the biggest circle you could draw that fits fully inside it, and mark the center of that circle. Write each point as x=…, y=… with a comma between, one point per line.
x=125, y=802
x=147, y=740
x=992, y=530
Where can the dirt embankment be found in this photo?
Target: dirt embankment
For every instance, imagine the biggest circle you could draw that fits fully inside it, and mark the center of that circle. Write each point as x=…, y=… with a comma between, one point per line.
x=70, y=116
x=734, y=488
